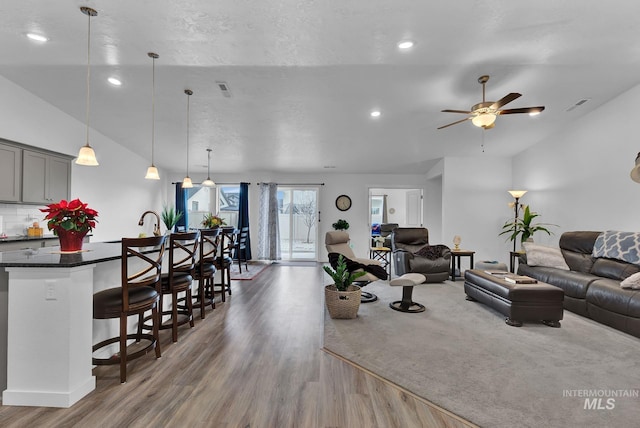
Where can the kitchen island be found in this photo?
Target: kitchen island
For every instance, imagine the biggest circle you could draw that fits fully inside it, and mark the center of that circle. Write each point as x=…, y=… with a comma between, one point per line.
x=46, y=322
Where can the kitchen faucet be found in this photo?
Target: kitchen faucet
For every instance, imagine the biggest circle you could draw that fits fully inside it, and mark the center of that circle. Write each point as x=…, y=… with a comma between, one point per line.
x=156, y=227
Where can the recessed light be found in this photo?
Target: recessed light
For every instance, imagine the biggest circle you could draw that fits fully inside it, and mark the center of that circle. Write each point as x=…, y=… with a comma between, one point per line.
x=405, y=44
x=534, y=113
x=375, y=113
x=114, y=81
x=37, y=37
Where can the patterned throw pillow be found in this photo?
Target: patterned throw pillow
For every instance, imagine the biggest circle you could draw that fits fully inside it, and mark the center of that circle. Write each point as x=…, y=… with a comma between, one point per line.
x=431, y=252
x=623, y=246
x=539, y=255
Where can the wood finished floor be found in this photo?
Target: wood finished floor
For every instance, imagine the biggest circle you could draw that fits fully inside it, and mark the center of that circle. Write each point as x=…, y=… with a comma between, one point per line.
x=255, y=361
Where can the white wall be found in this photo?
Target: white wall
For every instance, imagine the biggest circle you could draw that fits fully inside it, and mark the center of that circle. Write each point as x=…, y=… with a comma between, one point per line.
x=116, y=189
x=579, y=178
x=475, y=204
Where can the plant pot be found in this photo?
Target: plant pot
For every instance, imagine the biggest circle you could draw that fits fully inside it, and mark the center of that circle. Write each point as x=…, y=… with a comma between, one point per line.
x=342, y=304
x=70, y=240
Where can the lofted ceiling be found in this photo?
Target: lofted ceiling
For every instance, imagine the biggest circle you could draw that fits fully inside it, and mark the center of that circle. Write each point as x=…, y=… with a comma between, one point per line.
x=304, y=75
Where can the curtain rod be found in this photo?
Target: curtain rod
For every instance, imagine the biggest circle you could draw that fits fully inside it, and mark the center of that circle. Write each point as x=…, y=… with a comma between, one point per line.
x=217, y=183
x=295, y=184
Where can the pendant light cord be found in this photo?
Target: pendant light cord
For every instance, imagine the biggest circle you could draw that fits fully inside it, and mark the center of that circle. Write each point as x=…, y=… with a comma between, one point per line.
x=188, y=92
x=88, y=72
x=153, y=108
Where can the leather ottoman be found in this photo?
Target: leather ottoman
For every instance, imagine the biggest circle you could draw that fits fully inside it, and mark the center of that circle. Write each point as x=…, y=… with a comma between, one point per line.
x=518, y=302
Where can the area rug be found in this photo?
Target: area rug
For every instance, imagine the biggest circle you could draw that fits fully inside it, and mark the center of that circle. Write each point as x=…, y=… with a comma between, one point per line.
x=249, y=273
x=461, y=356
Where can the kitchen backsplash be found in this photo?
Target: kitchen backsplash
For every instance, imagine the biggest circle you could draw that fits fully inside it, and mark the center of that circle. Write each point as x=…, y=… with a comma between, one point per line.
x=15, y=218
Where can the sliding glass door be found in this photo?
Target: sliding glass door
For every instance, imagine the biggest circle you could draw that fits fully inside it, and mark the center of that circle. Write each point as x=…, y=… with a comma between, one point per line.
x=298, y=222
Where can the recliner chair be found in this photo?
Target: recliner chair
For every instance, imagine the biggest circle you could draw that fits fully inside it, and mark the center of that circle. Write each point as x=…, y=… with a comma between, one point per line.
x=407, y=241
x=337, y=241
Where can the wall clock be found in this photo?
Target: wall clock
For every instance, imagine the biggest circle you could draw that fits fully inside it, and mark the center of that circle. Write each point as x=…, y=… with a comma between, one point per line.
x=343, y=202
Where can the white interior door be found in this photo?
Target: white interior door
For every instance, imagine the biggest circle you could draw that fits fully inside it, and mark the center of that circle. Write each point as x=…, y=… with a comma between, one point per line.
x=414, y=208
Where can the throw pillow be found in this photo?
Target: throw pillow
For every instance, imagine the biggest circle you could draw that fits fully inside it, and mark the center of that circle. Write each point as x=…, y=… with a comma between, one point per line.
x=623, y=246
x=540, y=255
x=632, y=282
x=431, y=252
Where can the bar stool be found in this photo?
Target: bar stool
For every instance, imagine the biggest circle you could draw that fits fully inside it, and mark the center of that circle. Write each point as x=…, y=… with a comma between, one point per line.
x=240, y=252
x=224, y=261
x=139, y=293
x=205, y=269
x=183, y=248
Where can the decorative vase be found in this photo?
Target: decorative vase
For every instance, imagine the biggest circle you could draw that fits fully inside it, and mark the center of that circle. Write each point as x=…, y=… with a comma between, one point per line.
x=342, y=304
x=70, y=240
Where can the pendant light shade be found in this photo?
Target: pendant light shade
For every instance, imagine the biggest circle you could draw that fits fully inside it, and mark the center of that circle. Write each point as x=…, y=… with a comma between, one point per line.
x=186, y=183
x=86, y=155
x=208, y=182
x=152, y=171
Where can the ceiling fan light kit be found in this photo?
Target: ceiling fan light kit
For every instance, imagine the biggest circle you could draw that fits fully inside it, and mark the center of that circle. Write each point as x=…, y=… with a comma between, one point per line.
x=484, y=114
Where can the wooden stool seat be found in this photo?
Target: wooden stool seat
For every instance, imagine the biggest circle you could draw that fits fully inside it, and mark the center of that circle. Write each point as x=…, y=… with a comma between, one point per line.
x=139, y=293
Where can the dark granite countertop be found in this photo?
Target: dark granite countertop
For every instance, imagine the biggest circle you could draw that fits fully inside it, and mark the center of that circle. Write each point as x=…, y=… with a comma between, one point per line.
x=50, y=257
x=26, y=238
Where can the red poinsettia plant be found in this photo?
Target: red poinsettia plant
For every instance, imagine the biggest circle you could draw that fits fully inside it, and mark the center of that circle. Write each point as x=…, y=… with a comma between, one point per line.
x=71, y=215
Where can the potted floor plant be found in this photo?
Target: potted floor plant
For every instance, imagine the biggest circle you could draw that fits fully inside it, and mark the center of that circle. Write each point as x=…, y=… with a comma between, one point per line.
x=524, y=226
x=342, y=298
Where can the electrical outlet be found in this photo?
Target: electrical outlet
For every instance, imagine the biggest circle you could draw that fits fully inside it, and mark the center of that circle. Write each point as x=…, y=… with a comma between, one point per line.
x=50, y=290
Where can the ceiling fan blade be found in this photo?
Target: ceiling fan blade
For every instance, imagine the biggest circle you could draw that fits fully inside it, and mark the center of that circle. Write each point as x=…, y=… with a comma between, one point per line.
x=522, y=110
x=505, y=100
x=454, y=123
x=456, y=111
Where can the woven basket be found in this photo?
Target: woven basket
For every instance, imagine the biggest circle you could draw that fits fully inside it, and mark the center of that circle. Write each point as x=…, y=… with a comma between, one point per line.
x=342, y=304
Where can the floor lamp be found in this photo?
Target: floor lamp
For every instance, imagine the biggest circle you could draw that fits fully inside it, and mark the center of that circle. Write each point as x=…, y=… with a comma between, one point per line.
x=517, y=194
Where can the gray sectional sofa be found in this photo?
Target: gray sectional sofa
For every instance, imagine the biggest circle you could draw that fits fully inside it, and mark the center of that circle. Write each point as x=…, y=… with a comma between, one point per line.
x=592, y=285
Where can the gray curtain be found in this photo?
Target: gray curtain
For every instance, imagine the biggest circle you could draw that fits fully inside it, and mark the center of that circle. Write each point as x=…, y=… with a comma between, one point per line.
x=268, y=232
x=385, y=219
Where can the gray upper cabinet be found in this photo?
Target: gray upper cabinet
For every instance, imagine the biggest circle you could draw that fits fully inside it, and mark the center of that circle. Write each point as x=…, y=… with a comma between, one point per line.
x=46, y=178
x=10, y=173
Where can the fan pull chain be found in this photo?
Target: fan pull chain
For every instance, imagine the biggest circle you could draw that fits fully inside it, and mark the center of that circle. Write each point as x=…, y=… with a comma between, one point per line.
x=483, y=131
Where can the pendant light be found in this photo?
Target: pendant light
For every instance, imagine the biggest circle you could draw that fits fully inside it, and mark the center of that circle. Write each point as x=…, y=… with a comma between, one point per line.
x=86, y=155
x=186, y=183
x=152, y=171
x=208, y=182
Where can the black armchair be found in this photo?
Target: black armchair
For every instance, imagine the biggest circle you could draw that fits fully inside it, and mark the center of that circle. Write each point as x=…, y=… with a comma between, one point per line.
x=413, y=254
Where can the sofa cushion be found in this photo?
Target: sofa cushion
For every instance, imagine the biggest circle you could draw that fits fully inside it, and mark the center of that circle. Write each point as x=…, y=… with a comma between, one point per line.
x=613, y=269
x=574, y=284
x=632, y=282
x=577, y=249
x=607, y=294
x=541, y=255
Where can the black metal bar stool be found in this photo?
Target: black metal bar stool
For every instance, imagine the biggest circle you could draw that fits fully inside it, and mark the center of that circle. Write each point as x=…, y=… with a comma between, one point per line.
x=139, y=292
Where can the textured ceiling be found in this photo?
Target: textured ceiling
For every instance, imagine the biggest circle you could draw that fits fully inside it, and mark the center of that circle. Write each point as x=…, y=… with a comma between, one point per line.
x=304, y=75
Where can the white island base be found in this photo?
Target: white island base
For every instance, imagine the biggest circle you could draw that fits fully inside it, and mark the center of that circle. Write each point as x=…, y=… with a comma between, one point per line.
x=49, y=336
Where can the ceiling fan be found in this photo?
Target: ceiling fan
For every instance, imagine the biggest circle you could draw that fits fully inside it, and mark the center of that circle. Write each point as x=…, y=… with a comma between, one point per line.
x=483, y=115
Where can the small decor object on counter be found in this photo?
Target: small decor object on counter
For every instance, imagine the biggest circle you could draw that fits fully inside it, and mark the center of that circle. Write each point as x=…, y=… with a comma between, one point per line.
x=170, y=217
x=35, y=230
x=70, y=221
x=211, y=221
x=378, y=240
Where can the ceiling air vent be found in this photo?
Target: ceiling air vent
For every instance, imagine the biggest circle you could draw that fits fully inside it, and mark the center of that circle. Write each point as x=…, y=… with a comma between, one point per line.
x=578, y=104
x=224, y=88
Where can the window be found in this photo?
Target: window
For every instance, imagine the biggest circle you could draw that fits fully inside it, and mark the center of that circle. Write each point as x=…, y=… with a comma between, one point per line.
x=223, y=201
